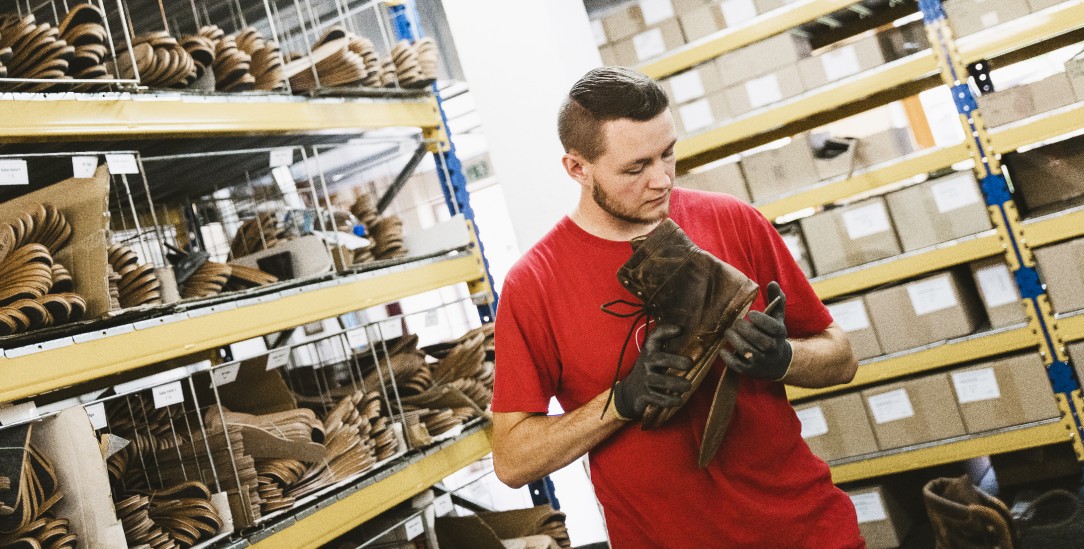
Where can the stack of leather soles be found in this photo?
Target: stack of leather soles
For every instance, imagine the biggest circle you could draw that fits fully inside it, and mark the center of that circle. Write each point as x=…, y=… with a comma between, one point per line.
x=333, y=62
x=179, y=516
x=37, y=51
x=160, y=60
x=202, y=49
x=388, y=234
x=255, y=235
x=243, y=277
x=207, y=281
x=84, y=29
x=267, y=67
x=364, y=209
x=26, y=516
x=540, y=520
x=232, y=67
x=138, y=284
x=408, y=66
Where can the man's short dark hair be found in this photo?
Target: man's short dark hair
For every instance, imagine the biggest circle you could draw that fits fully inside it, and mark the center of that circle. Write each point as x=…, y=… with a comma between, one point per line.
x=604, y=94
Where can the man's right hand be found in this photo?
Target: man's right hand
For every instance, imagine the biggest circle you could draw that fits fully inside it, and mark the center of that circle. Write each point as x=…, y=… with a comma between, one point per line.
x=649, y=381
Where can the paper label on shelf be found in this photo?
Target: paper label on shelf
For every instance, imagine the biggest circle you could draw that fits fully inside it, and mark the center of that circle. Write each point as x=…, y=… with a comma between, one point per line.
x=282, y=156
x=357, y=338
x=997, y=285
x=932, y=295
x=891, y=406
x=442, y=505
x=656, y=11
x=122, y=164
x=955, y=194
x=813, y=422
x=96, y=413
x=414, y=528
x=989, y=19
x=83, y=167
x=976, y=385
x=869, y=507
x=278, y=358
x=866, y=221
x=840, y=63
x=850, y=316
x=17, y=413
x=696, y=115
x=763, y=91
x=737, y=12
x=225, y=374
x=687, y=86
x=431, y=319
x=599, y=32
x=284, y=179
x=168, y=394
x=13, y=172
x=649, y=44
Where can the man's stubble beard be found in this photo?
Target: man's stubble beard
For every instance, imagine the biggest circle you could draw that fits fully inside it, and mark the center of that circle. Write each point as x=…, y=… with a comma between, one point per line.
x=611, y=207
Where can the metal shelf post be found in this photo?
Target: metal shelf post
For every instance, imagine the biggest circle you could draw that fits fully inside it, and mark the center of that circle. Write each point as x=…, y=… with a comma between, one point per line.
x=1003, y=211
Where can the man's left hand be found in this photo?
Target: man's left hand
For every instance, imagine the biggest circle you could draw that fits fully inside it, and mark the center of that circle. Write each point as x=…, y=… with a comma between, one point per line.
x=758, y=343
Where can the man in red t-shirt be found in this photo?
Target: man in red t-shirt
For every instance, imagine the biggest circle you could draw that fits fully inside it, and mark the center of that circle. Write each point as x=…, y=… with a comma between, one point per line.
x=764, y=488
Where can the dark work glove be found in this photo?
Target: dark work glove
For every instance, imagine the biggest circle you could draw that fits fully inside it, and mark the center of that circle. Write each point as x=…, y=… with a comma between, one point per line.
x=758, y=344
x=649, y=382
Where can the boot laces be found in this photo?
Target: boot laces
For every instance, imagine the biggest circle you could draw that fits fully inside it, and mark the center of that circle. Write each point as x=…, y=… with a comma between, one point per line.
x=640, y=312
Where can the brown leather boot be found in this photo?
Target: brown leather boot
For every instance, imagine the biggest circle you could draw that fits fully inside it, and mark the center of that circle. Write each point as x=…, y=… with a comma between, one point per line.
x=681, y=284
x=965, y=517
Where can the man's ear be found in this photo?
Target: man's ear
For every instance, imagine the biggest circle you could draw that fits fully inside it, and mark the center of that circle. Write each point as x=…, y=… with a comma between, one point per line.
x=576, y=167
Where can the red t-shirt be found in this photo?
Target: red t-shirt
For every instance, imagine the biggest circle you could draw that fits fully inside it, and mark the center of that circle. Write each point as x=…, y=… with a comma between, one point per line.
x=764, y=489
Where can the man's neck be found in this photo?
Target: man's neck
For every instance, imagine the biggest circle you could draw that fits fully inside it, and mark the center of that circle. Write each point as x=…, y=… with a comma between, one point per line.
x=596, y=221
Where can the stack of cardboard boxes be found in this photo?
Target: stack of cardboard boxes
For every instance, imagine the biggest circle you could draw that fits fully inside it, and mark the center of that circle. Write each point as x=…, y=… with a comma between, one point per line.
x=971, y=16
x=1050, y=176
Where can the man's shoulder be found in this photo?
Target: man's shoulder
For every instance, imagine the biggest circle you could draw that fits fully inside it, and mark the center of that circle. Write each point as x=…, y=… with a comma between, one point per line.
x=532, y=267
x=696, y=203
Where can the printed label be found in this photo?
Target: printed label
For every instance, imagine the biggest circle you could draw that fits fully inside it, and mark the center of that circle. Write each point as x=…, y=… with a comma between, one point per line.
x=656, y=11
x=763, y=91
x=83, y=167
x=414, y=528
x=96, y=413
x=997, y=285
x=122, y=164
x=357, y=338
x=976, y=385
x=649, y=44
x=168, y=394
x=282, y=156
x=696, y=115
x=891, y=406
x=866, y=221
x=737, y=12
x=225, y=374
x=932, y=295
x=431, y=319
x=278, y=358
x=840, y=63
x=599, y=32
x=869, y=507
x=13, y=172
x=813, y=422
x=954, y=194
x=442, y=505
x=989, y=19
x=687, y=86
x=850, y=316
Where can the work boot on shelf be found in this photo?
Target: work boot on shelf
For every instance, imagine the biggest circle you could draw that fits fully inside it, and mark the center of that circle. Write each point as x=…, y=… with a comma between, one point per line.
x=965, y=517
x=1052, y=520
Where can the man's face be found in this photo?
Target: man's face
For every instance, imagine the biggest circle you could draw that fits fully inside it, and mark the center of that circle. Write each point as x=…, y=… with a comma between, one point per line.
x=631, y=181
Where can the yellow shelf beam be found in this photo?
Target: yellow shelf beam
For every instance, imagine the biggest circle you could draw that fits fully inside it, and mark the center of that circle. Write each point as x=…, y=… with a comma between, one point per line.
x=1023, y=32
x=61, y=367
x=908, y=265
x=930, y=358
x=1048, y=230
x=138, y=117
x=1072, y=327
x=952, y=451
x=328, y=523
x=910, y=166
x=767, y=25
x=1040, y=128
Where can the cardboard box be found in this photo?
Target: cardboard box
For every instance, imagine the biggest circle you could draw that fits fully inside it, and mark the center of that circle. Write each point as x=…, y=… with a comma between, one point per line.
x=1074, y=69
x=931, y=309
x=1020, y=102
x=852, y=316
x=685, y=6
x=913, y=412
x=720, y=178
x=760, y=58
x=1037, y=5
x=837, y=428
x=764, y=90
x=850, y=236
x=701, y=114
x=1076, y=356
x=1060, y=269
x=780, y=170
x=883, y=147
x=765, y=6
x=1003, y=393
x=702, y=21
x=939, y=210
x=841, y=62
x=899, y=42
x=1049, y=174
x=649, y=44
x=609, y=58
x=795, y=242
x=971, y=16
x=692, y=84
x=841, y=165
x=881, y=520
x=738, y=12
x=636, y=18
x=998, y=292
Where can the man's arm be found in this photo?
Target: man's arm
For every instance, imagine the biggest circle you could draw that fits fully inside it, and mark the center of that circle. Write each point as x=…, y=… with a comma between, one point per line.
x=823, y=360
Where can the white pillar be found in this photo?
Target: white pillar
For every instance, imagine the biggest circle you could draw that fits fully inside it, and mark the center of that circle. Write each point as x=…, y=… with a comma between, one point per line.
x=519, y=59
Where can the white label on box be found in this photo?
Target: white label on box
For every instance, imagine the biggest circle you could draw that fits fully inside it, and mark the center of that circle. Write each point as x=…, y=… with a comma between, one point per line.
x=122, y=164
x=225, y=374
x=599, y=32
x=18, y=413
x=278, y=358
x=866, y=221
x=649, y=44
x=83, y=167
x=869, y=507
x=840, y=63
x=989, y=19
x=431, y=319
x=850, y=316
x=168, y=394
x=656, y=11
x=794, y=246
x=932, y=295
x=976, y=385
x=737, y=12
x=442, y=505
x=687, y=86
x=891, y=406
x=813, y=422
x=414, y=528
x=763, y=91
x=282, y=156
x=955, y=194
x=96, y=413
x=13, y=172
x=696, y=115
x=997, y=285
